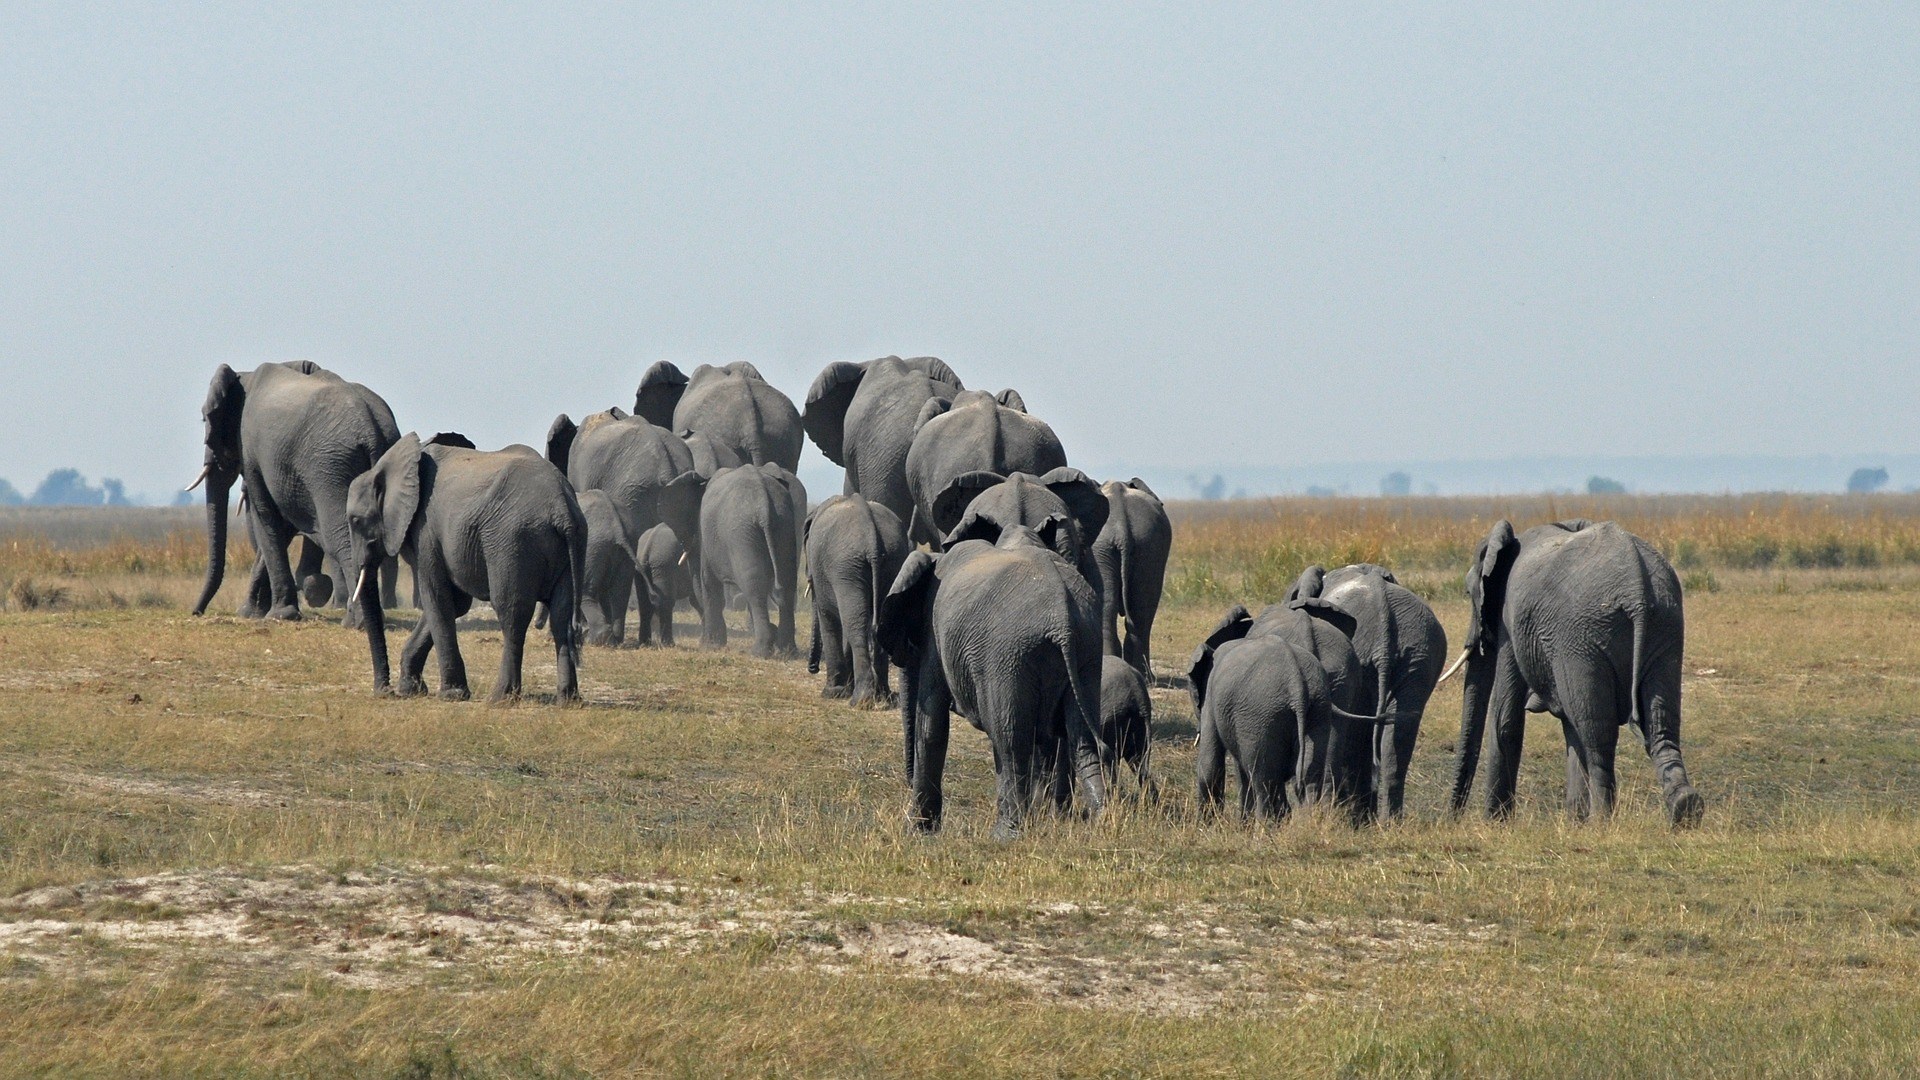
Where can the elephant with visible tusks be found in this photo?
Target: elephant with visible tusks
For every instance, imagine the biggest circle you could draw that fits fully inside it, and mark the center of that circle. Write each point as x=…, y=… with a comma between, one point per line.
x=1586, y=622
x=1008, y=634
x=501, y=526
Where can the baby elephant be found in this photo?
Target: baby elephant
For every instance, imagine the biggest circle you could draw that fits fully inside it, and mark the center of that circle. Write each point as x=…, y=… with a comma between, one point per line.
x=609, y=580
x=749, y=540
x=854, y=551
x=502, y=526
x=660, y=561
x=1126, y=722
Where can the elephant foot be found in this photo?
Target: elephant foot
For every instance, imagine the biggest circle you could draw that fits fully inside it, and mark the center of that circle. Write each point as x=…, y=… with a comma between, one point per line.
x=317, y=590
x=1686, y=808
x=285, y=613
x=836, y=693
x=1006, y=830
x=454, y=693
x=504, y=697
x=409, y=688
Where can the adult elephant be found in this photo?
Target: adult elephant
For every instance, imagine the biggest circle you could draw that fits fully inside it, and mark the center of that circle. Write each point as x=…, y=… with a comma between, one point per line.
x=863, y=416
x=646, y=471
x=732, y=405
x=975, y=432
x=854, y=550
x=1402, y=649
x=1065, y=508
x=747, y=535
x=1131, y=552
x=1008, y=634
x=501, y=526
x=297, y=435
x=1586, y=622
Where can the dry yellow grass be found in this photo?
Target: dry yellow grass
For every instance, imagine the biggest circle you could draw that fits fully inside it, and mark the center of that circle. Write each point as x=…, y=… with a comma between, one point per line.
x=220, y=854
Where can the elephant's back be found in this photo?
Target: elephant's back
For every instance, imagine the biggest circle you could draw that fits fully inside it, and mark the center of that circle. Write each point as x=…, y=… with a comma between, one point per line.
x=750, y=416
x=622, y=455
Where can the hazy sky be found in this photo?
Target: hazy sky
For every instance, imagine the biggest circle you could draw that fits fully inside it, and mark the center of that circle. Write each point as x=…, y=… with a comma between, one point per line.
x=1350, y=232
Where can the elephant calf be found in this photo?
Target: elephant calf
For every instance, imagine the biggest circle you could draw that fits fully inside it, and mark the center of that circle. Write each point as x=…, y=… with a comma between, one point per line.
x=502, y=526
x=749, y=540
x=610, y=570
x=660, y=561
x=1126, y=722
x=854, y=550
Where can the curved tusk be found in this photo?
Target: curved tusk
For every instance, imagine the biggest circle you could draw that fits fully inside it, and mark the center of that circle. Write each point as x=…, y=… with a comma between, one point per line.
x=201, y=479
x=360, y=583
x=1448, y=674
x=683, y=559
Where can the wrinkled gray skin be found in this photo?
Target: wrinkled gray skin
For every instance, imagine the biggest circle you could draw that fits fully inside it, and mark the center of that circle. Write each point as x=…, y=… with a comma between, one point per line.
x=1586, y=622
x=1131, y=555
x=646, y=471
x=501, y=526
x=1402, y=649
x=1347, y=688
x=1008, y=635
x=732, y=405
x=863, y=416
x=664, y=580
x=1262, y=697
x=1065, y=508
x=610, y=570
x=1126, y=723
x=747, y=540
x=296, y=434
x=854, y=550
x=976, y=432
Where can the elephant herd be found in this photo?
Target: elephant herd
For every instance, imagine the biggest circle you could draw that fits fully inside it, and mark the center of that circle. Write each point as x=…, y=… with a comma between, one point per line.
x=1004, y=584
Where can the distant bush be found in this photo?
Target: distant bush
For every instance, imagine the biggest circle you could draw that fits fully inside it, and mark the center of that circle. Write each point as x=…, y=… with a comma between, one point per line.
x=1866, y=481
x=1396, y=483
x=66, y=487
x=1603, y=485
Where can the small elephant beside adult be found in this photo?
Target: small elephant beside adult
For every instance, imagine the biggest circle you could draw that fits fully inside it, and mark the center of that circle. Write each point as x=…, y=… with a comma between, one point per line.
x=863, y=417
x=662, y=579
x=732, y=405
x=296, y=435
x=854, y=550
x=502, y=526
x=749, y=542
x=1584, y=621
x=1008, y=634
x=647, y=472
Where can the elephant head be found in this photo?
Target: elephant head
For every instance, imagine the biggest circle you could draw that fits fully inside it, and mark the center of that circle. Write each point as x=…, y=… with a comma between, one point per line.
x=226, y=399
x=1065, y=508
x=1232, y=626
x=383, y=506
x=660, y=390
x=710, y=457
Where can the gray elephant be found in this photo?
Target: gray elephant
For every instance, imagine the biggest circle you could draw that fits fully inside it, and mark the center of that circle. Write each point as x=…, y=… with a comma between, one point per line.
x=501, y=526
x=748, y=530
x=609, y=580
x=976, y=432
x=863, y=416
x=854, y=550
x=1126, y=723
x=731, y=405
x=1008, y=635
x=646, y=471
x=1263, y=696
x=296, y=434
x=663, y=580
x=1131, y=554
x=1328, y=640
x=1586, y=622
x=1065, y=508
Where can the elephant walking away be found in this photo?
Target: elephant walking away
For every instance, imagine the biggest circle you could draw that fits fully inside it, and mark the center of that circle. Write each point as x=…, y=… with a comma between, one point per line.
x=297, y=435
x=976, y=432
x=732, y=405
x=854, y=551
x=609, y=581
x=1131, y=554
x=1126, y=723
x=1402, y=648
x=501, y=526
x=748, y=541
x=646, y=471
x=1586, y=622
x=1065, y=508
x=863, y=416
x=664, y=579
x=1007, y=634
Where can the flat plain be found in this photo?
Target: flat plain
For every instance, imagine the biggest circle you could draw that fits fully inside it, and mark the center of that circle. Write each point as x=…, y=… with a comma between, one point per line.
x=221, y=854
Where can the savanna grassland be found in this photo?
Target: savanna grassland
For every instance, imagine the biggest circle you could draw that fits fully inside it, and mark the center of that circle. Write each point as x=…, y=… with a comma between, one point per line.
x=221, y=854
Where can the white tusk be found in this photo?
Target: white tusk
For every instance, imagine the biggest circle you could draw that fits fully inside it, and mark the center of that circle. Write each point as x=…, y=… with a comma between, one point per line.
x=201, y=479
x=1448, y=674
x=360, y=583
x=683, y=558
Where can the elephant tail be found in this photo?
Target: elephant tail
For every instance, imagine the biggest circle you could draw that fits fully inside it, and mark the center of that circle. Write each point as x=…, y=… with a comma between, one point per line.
x=1635, y=713
x=577, y=576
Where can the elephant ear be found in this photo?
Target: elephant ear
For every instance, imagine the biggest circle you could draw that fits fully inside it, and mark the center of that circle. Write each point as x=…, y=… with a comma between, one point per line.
x=806, y=527
x=1232, y=627
x=1084, y=499
x=825, y=414
x=226, y=399
x=660, y=390
x=1011, y=399
x=934, y=407
x=936, y=369
x=1140, y=486
x=1327, y=612
x=1307, y=584
x=1486, y=584
x=907, y=609
x=778, y=475
x=950, y=506
x=710, y=457
x=1574, y=525
x=1057, y=532
x=396, y=491
x=451, y=438
x=560, y=438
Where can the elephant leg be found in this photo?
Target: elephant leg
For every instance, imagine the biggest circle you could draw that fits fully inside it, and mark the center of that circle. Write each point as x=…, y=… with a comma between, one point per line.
x=1107, y=560
x=566, y=648
x=713, y=623
x=276, y=534
x=316, y=587
x=413, y=659
x=1056, y=751
x=1660, y=721
x=855, y=635
x=259, y=589
x=1310, y=780
x=1592, y=702
x=930, y=718
x=515, y=615
x=1209, y=766
x=643, y=614
x=1577, y=791
x=1394, y=751
x=442, y=603
x=663, y=612
x=765, y=639
x=786, y=637
x=1016, y=749
x=833, y=653
x=1506, y=708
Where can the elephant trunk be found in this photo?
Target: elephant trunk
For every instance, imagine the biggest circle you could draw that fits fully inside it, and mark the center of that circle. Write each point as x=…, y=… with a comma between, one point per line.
x=1475, y=696
x=366, y=594
x=216, y=543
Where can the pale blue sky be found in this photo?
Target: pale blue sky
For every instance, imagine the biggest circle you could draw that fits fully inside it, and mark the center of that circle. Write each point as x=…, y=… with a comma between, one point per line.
x=1346, y=232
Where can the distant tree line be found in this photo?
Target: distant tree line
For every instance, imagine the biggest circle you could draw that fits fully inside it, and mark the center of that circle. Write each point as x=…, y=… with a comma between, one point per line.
x=66, y=487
